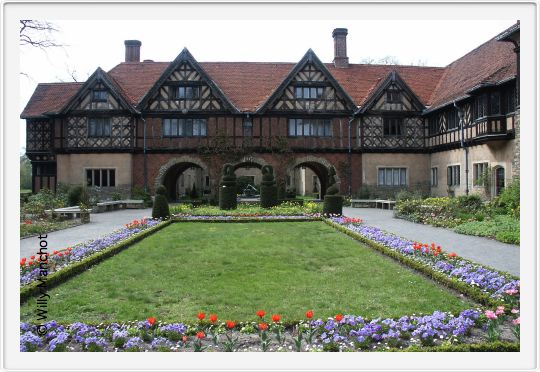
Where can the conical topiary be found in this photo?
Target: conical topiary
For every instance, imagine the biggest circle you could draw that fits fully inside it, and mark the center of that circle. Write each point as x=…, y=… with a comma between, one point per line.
x=333, y=202
x=268, y=187
x=161, y=205
x=227, y=188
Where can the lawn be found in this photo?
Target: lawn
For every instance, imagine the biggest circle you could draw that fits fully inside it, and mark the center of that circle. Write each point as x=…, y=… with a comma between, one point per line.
x=235, y=269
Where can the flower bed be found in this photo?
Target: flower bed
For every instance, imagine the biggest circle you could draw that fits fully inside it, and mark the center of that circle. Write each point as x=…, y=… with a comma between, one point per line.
x=284, y=209
x=249, y=218
x=339, y=333
x=431, y=258
x=61, y=265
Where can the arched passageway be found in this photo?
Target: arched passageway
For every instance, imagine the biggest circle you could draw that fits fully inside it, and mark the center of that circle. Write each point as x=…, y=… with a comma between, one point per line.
x=308, y=177
x=184, y=179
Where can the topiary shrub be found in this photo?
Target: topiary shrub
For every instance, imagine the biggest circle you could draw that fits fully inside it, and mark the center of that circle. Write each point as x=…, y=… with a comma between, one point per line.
x=333, y=202
x=227, y=188
x=161, y=205
x=269, y=194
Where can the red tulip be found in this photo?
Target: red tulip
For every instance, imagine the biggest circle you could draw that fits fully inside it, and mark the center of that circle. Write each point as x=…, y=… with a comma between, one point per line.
x=261, y=313
x=200, y=335
x=309, y=314
x=201, y=315
x=263, y=326
x=339, y=317
x=152, y=321
x=213, y=318
x=276, y=318
x=230, y=324
x=452, y=255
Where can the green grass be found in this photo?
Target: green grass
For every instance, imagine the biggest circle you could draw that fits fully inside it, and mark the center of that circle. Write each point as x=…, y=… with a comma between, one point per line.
x=501, y=227
x=235, y=269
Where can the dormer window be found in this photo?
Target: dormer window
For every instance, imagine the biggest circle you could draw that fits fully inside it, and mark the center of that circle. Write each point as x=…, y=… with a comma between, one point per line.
x=308, y=92
x=99, y=96
x=393, y=96
x=187, y=92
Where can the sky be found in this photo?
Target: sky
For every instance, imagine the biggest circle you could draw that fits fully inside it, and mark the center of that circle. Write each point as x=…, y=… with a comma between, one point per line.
x=91, y=44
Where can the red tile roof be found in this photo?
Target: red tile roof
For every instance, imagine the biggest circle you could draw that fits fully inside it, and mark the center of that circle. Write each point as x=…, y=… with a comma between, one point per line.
x=493, y=61
x=49, y=97
x=249, y=84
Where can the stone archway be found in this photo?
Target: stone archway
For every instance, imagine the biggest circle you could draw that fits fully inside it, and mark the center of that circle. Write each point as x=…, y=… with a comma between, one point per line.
x=170, y=171
x=318, y=165
x=254, y=160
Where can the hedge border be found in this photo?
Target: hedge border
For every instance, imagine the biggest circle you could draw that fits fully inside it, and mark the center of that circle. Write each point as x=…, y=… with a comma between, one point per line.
x=59, y=277
x=497, y=346
x=250, y=220
x=471, y=292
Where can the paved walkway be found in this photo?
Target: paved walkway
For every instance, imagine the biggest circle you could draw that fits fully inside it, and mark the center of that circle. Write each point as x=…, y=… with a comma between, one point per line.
x=100, y=224
x=490, y=252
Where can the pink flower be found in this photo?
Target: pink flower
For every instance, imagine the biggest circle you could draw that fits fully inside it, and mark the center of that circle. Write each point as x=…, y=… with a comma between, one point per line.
x=512, y=291
x=514, y=311
x=500, y=310
x=490, y=315
x=517, y=321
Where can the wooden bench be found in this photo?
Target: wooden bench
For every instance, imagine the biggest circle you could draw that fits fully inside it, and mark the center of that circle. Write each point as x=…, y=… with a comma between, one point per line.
x=373, y=203
x=119, y=204
x=388, y=203
x=68, y=212
x=363, y=203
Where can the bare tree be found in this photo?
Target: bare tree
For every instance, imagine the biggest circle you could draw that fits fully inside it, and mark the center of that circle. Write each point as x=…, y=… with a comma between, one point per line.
x=38, y=34
x=388, y=60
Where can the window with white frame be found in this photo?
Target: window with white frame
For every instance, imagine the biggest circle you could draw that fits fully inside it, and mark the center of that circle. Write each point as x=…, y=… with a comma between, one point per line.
x=302, y=92
x=392, y=177
x=184, y=127
x=453, y=175
x=101, y=177
x=479, y=173
x=434, y=177
x=310, y=128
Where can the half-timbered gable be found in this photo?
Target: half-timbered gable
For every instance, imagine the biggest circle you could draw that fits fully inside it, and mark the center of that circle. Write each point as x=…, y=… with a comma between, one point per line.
x=390, y=118
x=309, y=88
x=98, y=116
x=185, y=87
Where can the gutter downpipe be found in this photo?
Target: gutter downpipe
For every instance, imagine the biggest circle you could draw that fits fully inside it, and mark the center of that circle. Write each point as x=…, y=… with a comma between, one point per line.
x=349, y=159
x=461, y=125
x=145, y=161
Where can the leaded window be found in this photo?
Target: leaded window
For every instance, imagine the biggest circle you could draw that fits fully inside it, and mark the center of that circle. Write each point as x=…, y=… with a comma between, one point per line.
x=480, y=171
x=392, y=177
x=393, y=96
x=184, y=128
x=303, y=92
x=100, y=95
x=453, y=175
x=101, y=177
x=99, y=127
x=187, y=92
x=310, y=128
x=393, y=127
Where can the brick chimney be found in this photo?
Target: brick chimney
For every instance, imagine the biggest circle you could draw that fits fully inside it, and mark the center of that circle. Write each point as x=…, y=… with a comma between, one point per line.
x=340, y=48
x=133, y=50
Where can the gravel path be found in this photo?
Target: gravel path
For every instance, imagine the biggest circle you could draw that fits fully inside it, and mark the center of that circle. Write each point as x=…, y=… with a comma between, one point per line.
x=489, y=252
x=100, y=224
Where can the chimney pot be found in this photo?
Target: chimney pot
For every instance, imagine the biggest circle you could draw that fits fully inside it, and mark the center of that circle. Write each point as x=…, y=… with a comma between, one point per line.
x=340, y=48
x=133, y=50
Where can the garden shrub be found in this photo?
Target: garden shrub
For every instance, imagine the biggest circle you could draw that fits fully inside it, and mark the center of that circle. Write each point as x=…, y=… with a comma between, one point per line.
x=268, y=187
x=508, y=201
x=116, y=196
x=161, y=205
x=333, y=202
x=38, y=203
x=281, y=191
x=469, y=203
x=227, y=188
x=74, y=195
x=139, y=194
x=501, y=227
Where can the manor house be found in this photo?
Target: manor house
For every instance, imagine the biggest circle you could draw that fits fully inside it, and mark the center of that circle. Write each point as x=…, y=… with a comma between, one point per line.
x=448, y=130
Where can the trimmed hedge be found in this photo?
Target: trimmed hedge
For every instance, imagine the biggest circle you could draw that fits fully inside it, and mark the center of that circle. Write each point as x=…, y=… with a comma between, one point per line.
x=70, y=271
x=333, y=202
x=481, y=347
x=474, y=293
x=333, y=205
x=247, y=219
x=227, y=188
x=161, y=205
x=269, y=192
